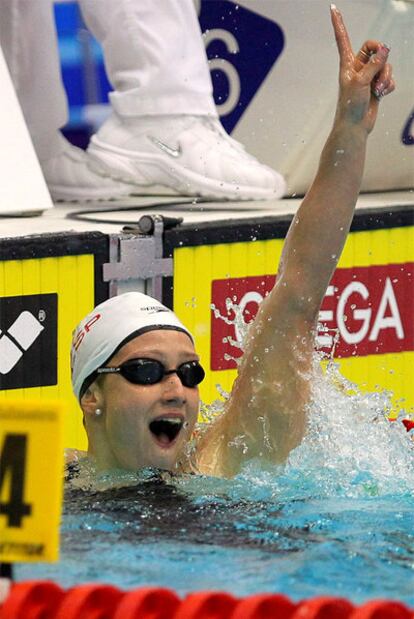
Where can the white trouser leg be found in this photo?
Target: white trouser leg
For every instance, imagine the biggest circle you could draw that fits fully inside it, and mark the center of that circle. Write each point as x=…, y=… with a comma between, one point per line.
x=165, y=130
x=154, y=56
x=29, y=42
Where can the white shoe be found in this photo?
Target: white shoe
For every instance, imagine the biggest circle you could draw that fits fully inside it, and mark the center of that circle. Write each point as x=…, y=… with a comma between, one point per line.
x=70, y=177
x=192, y=155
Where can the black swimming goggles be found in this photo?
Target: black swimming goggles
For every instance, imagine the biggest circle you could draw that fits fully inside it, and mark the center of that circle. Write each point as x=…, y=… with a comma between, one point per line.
x=149, y=372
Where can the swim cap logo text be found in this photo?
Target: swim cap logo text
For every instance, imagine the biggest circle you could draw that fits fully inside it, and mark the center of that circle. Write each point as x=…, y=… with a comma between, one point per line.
x=78, y=339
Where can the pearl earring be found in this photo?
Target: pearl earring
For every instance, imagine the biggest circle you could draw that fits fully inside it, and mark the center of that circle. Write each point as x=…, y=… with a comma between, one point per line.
x=98, y=412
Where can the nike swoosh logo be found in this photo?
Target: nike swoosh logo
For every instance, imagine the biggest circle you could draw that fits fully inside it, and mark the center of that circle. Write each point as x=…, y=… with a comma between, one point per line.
x=172, y=152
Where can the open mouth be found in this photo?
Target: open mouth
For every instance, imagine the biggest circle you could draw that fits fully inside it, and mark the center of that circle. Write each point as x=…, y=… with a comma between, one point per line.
x=166, y=429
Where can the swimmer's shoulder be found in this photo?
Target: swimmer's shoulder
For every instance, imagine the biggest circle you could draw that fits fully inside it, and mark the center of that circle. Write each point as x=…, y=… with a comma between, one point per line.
x=73, y=458
x=74, y=455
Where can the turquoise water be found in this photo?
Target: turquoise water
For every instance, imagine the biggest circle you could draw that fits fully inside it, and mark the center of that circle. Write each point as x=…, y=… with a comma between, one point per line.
x=338, y=519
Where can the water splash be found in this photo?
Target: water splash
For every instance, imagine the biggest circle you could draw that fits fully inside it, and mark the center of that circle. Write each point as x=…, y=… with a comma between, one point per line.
x=351, y=447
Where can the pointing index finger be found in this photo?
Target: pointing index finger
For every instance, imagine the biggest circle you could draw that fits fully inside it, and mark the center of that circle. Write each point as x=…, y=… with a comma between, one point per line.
x=343, y=42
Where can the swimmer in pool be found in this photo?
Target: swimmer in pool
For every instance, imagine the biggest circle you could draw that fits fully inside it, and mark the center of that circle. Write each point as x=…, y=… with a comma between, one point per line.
x=136, y=372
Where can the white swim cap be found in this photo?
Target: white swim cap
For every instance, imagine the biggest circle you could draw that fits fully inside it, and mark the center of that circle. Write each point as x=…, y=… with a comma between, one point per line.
x=111, y=325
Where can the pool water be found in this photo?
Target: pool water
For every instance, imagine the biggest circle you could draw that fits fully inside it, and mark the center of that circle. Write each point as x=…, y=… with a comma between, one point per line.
x=337, y=519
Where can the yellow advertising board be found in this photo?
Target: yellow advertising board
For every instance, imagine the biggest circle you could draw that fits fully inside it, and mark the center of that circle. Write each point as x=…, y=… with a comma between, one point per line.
x=41, y=301
x=31, y=480
x=370, y=304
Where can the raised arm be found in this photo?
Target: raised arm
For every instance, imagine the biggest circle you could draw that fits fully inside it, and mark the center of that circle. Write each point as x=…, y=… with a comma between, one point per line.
x=266, y=414
x=319, y=229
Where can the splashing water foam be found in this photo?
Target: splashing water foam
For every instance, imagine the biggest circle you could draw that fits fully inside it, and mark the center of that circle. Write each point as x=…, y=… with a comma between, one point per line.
x=351, y=448
x=351, y=440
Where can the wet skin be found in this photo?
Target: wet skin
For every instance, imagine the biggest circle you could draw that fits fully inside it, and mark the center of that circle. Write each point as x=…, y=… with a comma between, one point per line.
x=121, y=437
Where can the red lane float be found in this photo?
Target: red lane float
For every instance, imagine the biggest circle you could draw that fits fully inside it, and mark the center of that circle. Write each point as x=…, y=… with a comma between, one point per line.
x=148, y=603
x=382, y=610
x=89, y=602
x=324, y=608
x=32, y=600
x=264, y=606
x=206, y=605
x=46, y=600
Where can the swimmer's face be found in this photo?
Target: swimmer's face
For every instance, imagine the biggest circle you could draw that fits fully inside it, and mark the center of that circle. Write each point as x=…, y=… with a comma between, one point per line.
x=148, y=425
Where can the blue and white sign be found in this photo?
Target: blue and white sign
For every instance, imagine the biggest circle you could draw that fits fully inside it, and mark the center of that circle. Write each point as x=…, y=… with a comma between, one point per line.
x=242, y=47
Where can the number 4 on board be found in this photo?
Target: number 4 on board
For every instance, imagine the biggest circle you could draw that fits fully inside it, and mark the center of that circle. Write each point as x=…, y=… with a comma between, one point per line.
x=13, y=468
x=31, y=479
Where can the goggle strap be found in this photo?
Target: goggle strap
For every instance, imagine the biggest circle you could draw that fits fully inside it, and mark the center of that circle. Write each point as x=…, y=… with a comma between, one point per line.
x=108, y=370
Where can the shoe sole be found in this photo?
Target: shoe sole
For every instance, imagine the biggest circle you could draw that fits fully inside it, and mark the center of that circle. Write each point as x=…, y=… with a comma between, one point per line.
x=143, y=169
x=63, y=194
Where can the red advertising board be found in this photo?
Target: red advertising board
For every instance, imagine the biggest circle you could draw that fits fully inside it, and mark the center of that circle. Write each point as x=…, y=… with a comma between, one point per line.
x=367, y=310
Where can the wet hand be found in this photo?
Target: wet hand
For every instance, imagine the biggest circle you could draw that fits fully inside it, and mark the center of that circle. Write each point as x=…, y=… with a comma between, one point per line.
x=364, y=78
